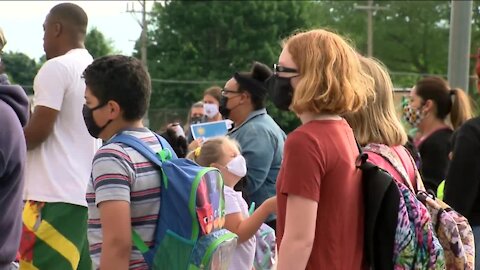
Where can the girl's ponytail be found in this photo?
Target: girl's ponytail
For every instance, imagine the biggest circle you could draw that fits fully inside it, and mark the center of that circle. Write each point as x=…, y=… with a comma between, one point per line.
x=461, y=109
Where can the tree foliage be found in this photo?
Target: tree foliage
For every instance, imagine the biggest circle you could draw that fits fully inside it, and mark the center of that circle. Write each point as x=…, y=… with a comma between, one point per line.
x=209, y=41
x=97, y=44
x=21, y=69
x=409, y=37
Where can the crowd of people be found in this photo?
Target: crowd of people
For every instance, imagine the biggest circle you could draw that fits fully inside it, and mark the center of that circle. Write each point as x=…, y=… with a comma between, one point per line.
x=70, y=198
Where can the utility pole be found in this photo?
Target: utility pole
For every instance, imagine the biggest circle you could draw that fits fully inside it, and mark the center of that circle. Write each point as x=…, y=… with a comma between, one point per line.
x=459, y=45
x=143, y=39
x=370, y=8
x=143, y=24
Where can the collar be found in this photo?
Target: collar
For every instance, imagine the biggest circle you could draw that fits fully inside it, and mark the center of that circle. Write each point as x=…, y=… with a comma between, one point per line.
x=250, y=117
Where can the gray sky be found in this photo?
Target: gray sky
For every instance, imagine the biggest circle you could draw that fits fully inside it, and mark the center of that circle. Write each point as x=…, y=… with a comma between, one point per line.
x=22, y=21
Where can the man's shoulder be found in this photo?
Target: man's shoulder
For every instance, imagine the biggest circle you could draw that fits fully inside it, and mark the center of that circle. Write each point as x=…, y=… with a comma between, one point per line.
x=263, y=121
x=77, y=60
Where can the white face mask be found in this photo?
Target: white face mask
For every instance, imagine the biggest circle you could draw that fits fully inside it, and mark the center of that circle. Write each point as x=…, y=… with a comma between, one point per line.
x=178, y=130
x=210, y=110
x=237, y=166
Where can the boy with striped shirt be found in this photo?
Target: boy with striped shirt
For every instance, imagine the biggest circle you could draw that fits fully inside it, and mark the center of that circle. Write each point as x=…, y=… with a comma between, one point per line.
x=124, y=190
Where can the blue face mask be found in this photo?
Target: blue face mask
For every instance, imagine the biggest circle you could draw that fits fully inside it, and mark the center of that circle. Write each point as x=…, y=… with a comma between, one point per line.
x=92, y=126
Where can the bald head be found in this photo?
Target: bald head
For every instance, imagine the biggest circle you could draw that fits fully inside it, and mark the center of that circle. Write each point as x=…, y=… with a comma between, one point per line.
x=71, y=16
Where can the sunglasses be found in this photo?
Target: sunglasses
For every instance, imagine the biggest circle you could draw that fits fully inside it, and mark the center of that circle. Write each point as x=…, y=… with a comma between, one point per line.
x=278, y=68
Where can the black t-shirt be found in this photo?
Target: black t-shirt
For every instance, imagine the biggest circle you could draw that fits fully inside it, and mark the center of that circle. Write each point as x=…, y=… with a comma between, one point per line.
x=462, y=187
x=434, y=152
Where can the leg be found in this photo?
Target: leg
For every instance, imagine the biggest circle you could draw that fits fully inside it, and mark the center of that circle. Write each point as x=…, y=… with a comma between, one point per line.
x=54, y=237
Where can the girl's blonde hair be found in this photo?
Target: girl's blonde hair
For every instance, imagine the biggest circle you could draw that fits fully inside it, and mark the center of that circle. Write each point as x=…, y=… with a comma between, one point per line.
x=378, y=121
x=211, y=151
x=331, y=80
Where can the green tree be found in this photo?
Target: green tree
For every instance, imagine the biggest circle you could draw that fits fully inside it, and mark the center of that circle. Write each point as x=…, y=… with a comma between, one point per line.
x=410, y=37
x=21, y=69
x=210, y=40
x=97, y=44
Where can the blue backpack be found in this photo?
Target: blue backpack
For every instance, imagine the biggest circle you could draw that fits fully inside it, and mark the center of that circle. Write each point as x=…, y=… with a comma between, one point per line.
x=189, y=233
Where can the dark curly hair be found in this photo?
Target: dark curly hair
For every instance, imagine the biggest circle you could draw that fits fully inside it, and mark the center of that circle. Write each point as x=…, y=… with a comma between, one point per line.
x=122, y=79
x=178, y=143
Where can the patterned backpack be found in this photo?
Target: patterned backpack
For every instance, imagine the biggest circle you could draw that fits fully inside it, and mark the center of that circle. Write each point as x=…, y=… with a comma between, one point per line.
x=189, y=234
x=266, y=249
x=415, y=245
x=453, y=232
x=452, y=229
x=266, y=246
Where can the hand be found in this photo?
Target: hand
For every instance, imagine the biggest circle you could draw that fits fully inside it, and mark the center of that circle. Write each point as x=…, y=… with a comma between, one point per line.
x=271, y=204
x=194, y=144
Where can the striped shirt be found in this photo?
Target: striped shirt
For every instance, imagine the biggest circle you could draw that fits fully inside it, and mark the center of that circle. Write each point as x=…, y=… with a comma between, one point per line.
x=121, y=173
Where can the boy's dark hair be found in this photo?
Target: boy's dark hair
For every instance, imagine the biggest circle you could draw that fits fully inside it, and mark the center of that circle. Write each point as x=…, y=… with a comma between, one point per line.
x=122, y=79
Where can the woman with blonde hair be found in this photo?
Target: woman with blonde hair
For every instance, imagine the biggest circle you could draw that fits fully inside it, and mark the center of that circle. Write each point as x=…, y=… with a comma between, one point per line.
x=378, y=129
x=319, y=192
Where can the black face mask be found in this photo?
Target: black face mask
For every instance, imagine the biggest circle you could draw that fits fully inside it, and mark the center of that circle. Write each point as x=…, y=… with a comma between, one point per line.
x=197, y=120
x=92, y=127
x=280, y=91
x=222, y=108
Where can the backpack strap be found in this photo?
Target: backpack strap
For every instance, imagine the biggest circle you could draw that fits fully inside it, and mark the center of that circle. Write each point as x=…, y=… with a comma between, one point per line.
x=165, y=154
x=392, y=158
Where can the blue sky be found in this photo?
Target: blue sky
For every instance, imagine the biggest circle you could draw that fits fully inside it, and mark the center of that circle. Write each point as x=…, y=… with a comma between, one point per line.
x=22, y=21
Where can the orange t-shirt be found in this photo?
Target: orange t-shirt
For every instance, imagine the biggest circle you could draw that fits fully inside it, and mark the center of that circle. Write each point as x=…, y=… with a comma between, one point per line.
x=319, y=164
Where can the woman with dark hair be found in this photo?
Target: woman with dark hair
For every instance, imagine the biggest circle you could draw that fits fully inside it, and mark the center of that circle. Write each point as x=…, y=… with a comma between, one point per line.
x=432, y=101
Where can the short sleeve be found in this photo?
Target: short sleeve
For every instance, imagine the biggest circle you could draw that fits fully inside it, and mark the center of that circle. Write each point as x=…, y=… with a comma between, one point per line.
x=231, y=204
x=303, y=166
x=50, y=85
x=112, y=174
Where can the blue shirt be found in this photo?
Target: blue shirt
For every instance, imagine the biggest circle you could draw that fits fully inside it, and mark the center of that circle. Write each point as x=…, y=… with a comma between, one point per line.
x=261, y=141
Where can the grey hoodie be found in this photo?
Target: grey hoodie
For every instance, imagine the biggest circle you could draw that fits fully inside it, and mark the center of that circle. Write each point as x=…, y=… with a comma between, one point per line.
x=13, y=116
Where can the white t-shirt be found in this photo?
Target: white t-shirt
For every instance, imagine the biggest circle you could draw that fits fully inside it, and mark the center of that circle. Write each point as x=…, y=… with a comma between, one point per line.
x=245, y=252
x=58, y=170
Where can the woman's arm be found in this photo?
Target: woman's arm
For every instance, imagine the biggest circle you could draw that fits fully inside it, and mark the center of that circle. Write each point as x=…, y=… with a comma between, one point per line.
x=117, y=239
x=297, y=242
x=246, y=228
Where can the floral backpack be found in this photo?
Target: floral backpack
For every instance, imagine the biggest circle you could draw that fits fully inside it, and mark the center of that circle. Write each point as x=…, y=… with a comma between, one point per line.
x=415, y=245
x=452, y=229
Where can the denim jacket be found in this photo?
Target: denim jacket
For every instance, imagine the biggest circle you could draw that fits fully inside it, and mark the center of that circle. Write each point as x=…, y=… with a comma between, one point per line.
x=261, y=141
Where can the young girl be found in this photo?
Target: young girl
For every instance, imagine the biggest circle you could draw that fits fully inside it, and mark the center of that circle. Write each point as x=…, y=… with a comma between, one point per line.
x=319, y=189
x=223, y=153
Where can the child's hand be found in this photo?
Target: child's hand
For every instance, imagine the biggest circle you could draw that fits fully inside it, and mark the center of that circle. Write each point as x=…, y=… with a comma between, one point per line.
x=194, y=144
x=271, y=204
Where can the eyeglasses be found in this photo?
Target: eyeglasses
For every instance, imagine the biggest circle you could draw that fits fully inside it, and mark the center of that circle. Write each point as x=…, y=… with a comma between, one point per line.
x=278, y=68
x=226, y=91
